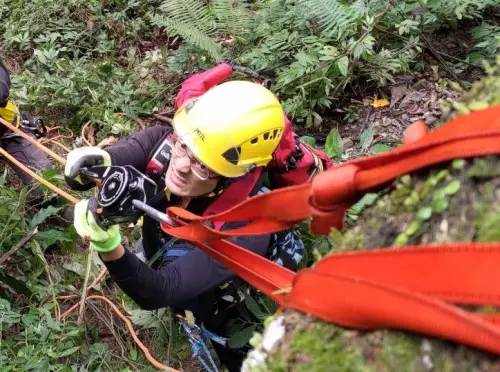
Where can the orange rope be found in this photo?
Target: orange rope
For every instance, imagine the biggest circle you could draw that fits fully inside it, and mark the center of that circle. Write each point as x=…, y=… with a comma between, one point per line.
x=33, y=141
x=130, y=327
x=56, y=189
x=74, y=200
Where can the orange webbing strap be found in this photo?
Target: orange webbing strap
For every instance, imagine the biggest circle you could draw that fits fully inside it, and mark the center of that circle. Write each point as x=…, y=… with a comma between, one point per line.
x=330, y=193
x=408, y=288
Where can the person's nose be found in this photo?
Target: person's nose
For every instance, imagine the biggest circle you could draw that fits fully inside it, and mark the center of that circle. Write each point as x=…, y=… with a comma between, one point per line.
x=183, y=165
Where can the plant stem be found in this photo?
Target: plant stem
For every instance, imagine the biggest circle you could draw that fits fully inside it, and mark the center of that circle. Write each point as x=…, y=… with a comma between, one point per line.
x=22, y=242
x=84, y=290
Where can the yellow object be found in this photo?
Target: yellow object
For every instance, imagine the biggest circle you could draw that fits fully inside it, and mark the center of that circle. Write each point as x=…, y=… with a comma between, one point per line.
x=11, y=113
x=380, y=103
x=232, y=128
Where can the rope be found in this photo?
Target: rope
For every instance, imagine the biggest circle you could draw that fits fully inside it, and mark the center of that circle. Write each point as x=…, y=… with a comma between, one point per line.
x=60, y=159
x=75, y=200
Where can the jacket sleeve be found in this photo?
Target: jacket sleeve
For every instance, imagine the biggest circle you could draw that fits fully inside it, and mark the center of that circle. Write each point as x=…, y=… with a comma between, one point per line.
x=4, y=84
x=136, y=150
x=184, y=279
x=198, y=84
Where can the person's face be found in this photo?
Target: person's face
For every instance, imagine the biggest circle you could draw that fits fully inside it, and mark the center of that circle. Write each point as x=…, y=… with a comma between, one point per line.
x=186, y=176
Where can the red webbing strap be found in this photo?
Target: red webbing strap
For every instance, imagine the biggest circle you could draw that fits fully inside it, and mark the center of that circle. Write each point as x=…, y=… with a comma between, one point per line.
x=407, y=288
x=262, y=273
x=362, y=304
x=328, y=195
x=460, y=273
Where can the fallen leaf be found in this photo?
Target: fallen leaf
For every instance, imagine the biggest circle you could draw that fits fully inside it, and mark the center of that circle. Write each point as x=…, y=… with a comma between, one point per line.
x=417, y=96
x=379, y=103
x=397, y=92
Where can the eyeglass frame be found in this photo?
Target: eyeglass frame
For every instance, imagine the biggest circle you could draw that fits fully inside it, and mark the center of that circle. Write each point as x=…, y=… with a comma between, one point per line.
x=186, y=151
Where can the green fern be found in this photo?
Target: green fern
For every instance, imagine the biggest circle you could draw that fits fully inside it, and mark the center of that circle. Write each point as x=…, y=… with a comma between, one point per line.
x=189, y=33
x=336, y=18
x=199, y=24
x=231, y=16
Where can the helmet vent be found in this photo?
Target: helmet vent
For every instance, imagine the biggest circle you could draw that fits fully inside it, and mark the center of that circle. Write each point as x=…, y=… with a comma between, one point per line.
x=232, y=155
x=266, y=136
x=254, y=140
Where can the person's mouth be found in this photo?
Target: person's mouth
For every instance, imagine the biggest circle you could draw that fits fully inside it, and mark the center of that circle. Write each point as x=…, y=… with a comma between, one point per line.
x=177, y=179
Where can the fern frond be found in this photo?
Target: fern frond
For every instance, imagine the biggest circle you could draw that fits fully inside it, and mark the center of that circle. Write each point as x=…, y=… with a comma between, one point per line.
x=335, y=17
x=231, y=16
x=195, y=37
x=188, y=12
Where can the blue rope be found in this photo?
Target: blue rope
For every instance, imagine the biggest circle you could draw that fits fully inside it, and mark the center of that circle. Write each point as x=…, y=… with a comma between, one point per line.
x=199, y=345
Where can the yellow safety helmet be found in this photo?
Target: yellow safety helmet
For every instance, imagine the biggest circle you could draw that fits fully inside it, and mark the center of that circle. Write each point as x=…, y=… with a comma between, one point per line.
x=232, y=128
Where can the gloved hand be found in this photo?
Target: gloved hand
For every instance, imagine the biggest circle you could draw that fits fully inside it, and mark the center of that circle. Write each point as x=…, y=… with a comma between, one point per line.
x=80, y=158
x=86, y=226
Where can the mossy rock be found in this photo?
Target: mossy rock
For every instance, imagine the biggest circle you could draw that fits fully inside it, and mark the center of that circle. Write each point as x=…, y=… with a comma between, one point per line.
x=457, y=201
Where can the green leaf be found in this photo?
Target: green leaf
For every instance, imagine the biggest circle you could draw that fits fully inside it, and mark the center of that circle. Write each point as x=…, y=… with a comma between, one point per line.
x=366, y=138
x=15, y=284
x=48, y=237
x=242, y=337
x=8, y=316
x=43, y=214
x=379, y=148
x=424, y=213
x=133, y=354
x=255, y=309
x=70, y=351
x=452, y=188
x=333, y=145
x=342, y=64
x=309, y=140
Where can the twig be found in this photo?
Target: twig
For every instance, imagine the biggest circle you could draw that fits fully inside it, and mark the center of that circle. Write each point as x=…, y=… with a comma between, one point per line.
x=57, y=309
x=22, y=242
x=84, y=292
x=442, y=61
x=84, y=138
x=163, y=118
x=141, y=123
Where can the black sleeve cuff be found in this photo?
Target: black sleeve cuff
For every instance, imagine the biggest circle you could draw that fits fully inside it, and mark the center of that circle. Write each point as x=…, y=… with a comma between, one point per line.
x=124, y=268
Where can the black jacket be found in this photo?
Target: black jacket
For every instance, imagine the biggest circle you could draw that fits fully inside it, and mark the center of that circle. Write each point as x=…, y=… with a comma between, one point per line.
x=190, y=281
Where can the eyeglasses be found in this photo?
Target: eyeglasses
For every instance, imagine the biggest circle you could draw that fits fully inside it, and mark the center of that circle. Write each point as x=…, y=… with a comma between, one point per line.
x=199, y=170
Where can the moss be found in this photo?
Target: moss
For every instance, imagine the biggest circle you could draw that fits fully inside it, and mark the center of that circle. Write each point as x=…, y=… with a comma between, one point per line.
x=450, y=202
x=319, y=346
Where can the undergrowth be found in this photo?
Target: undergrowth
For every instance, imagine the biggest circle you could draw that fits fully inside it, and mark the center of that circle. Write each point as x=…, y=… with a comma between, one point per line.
x=112, y=62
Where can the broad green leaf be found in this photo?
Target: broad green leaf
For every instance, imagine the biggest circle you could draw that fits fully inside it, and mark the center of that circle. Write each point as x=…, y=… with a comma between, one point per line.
x=333, y=145
x=366, y=138
x=242, y=337
x=15, y=284
x=48, y=237
x=43, y=214
x=343, y=64
x=379, y=148
x=133, y=354
x=255, y=309
x=7, y=316
x=70, y=351
x=309, y=140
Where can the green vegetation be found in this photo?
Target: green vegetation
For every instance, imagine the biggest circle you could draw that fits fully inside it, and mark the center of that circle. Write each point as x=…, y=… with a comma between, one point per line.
x=114, y=62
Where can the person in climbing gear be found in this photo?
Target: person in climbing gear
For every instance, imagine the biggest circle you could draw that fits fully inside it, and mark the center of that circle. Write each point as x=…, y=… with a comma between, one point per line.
x=218, y=139
x=20, y=148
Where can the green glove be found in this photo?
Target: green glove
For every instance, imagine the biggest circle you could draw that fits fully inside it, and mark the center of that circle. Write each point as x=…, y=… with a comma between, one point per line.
x=86, y=226
x=80, y=158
